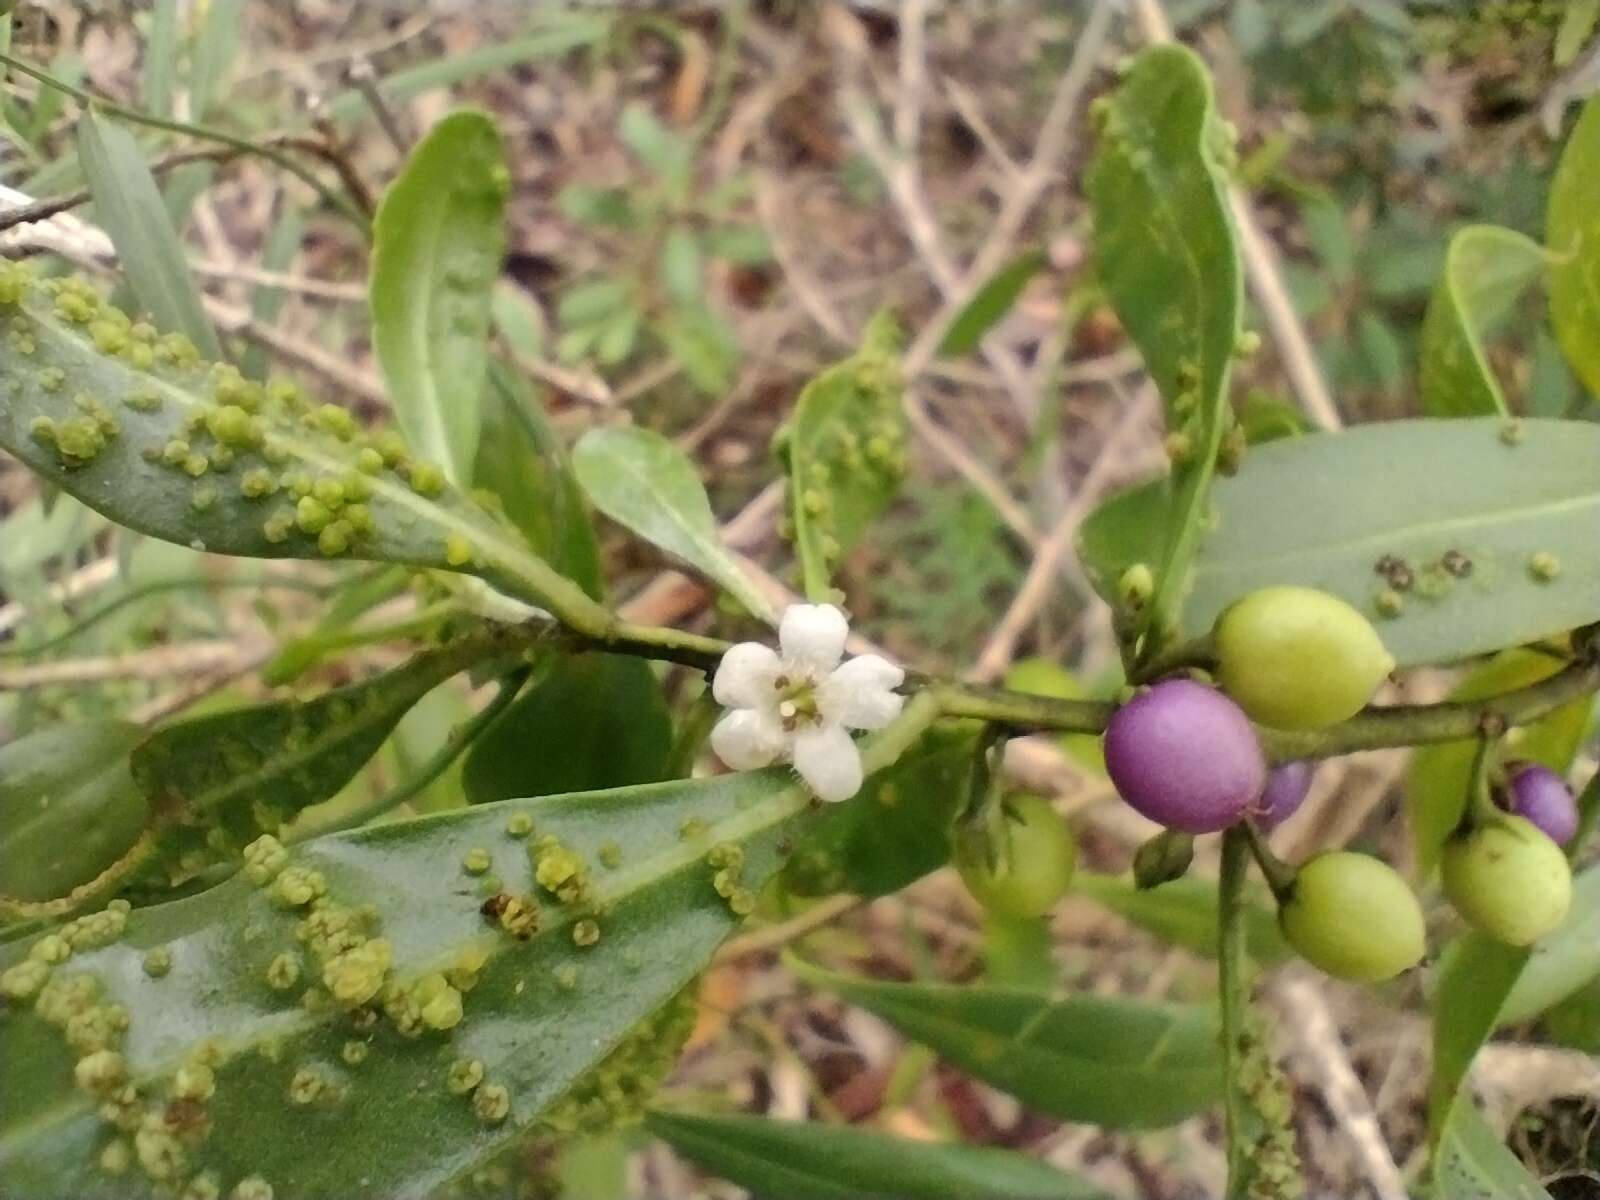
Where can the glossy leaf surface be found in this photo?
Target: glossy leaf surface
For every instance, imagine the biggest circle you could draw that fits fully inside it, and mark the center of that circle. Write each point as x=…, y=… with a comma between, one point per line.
x=1413, y=490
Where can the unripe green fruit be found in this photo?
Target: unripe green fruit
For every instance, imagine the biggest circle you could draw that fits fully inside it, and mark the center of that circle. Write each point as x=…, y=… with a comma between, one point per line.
x=1352, y=916
x=1297, y=658
x=1509, y=879
x=1032, y=865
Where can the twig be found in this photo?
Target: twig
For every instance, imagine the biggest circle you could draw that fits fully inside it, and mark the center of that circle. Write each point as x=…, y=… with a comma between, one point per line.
x=304, y=285
x=759, y=941
x=80, y=583
x=190, y=658
x=912, y=85
x=1025, y=605
x=1266, y=279
x=363, y=78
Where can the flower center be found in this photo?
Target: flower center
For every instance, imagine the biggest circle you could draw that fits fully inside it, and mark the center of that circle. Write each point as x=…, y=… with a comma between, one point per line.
x=797, y=702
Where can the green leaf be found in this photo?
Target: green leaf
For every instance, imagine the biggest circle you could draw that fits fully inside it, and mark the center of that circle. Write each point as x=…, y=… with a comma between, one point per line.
x=1018, y=952
x=68, y=807
x=128, y=203
x=642, y=481
x=680, y=265
x=844, y=450
x=213, y=55
x=1474, y=976
x=1577, y=23
x=804, y=1160
x=235, y=774
x=1265, y=417
x=991, y=302
x=1564, y=961
x=1575, y=1021
x=560, y=33
x=1183, y=911
x=702, y=344
x=589, y=721
x=895, y=830
x=1122, y=1063
x=518, y=319
x=665, y=152
x=1497, y=496
x=438, y=239
x=611, y=206
x=143, y=394
x=1165, y=246
x=161, y=58
x=1439, y=778
x=576, y=1034
x=1572, y=232
x=1473, y=1163
x=524, y=463
x=1486, y=270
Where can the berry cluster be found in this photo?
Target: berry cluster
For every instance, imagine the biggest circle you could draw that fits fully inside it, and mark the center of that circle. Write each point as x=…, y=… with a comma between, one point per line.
x=1187, y=755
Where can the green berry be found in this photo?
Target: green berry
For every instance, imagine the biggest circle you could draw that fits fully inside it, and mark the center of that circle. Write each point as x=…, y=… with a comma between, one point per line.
x=1508, y=878
x=1297, y=658
x=1027, y=867
x=1354, y=917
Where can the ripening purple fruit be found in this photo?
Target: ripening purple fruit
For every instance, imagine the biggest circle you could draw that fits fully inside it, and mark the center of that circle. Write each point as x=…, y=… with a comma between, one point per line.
x=1287, y=785
x=1542, y=797
x=1185, y=756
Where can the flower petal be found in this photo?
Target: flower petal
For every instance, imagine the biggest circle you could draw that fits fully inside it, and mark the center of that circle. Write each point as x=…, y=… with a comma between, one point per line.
x=812, y=636
x=744, y=676
x=860, y=694
x=828, y=761
x=746, y=739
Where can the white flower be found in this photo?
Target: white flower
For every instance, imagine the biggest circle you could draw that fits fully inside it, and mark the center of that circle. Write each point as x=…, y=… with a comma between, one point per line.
x=798, y=705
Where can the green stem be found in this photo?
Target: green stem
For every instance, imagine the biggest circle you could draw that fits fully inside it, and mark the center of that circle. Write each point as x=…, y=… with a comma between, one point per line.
x=242, y=145
x=1233, y=967
x=1199, y=653
x=1278, y=874
x=460, y=738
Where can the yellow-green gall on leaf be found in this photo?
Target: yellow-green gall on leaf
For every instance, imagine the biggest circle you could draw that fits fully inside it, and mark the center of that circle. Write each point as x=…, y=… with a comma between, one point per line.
x=559, y=870
x=283, y=972
x=79, y=441
x=196, y=465
x=251, y=1187
x=519, y=824
x=1136, y=585
x=354, y=1053
x=117, y=1157
x=610, y=855
x=1298, y=658
x=42, y=430
x=463, y=974
x=202, y=498
x=311, y=515
x=356, y=976
x=391, y=446
x=160, y=1154
x=457, y=550
x=157, y=962
x=585, y=932
x=491, y=1103
x=426, y=479
x=22, y=981
x=51, y=379
x=99, y=1027
x=194, y=1081
x=1389, y=604
x=566, y=977
x=203, y=1186
x=277, y=528
x=263, y=859
x=15, y=282
x=369, y=460
x=232, y=426
x=1544, y=567
x=52, y=948
x=335, y=539
x=257, y=483
x=332, y=419
x=359, y=518
x=296, y=887
x=100, y=1072
x=144, y=401
x=476, y=861
x=438, y=1004
x=464, y=1075
x=306, y=1085
x=330, y=492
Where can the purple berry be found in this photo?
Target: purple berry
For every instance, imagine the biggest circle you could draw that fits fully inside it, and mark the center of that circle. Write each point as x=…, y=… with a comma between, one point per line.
x=1541, y=796
x=1185, y=756
x=1286, y=790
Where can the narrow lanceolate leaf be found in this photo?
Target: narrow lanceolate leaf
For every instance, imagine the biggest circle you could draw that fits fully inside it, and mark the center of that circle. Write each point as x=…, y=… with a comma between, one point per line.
x=992, y=302
x=844, y=450
x=803, y=1160
x=1168, y=258
x=68, y=807
x=1123, y=1063
x=141, y=429
x=526, y=466
x=1572, y=232
x=642, y=481
x=1438, y=781
x=247, y=771
x=1486, y=270
x=128, y=203
x=1473, y=1163
x=1475, y=975
x=433, y=1037
x=1518, y=505
x=589, y=721
x=438, y=240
